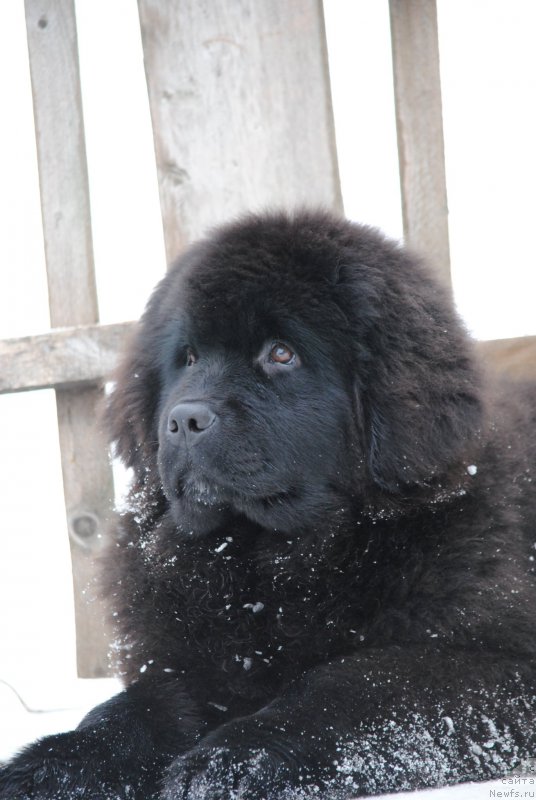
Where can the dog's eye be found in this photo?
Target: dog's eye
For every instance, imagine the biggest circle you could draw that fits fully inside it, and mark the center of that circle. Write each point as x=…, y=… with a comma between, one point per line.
x=191, y=357
x=281, y=354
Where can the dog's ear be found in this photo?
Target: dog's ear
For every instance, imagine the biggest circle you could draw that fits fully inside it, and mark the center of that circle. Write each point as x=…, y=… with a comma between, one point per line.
x=130, y=410
x=130, y=413
x=419, y=388
x=417, y=432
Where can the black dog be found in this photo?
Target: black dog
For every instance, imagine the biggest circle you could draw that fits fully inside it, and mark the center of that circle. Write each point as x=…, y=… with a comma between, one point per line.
x=325, y=583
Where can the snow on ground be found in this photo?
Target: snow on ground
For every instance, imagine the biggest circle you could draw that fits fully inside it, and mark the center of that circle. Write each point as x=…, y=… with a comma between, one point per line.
x=466, y=791
x=25, y=719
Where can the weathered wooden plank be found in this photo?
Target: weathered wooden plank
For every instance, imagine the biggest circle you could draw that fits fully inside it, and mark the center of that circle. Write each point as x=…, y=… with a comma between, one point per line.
x=514, y=357
x=63, y=178
x=88, y=487
x=420, y=129
x=241, y=109
x=69, y=357
x=61, y=358
x=87, y=477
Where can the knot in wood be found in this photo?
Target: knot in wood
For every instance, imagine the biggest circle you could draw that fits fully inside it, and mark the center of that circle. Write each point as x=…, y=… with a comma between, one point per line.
x=84, y=527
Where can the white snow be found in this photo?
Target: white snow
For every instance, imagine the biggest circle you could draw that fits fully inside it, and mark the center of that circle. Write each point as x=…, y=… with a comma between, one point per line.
x=463, y=791
x=28, y=712
x=255, y=607
x=66, y=704
x=449, y=725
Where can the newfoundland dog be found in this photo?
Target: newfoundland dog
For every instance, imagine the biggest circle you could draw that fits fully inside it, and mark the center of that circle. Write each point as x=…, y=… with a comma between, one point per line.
x=324, y=583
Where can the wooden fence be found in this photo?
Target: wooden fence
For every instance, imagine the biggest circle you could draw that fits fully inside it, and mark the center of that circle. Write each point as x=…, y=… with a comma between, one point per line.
x=202, y=107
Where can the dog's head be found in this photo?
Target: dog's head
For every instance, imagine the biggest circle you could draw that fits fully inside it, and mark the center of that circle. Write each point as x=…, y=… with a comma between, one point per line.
x=288, y=366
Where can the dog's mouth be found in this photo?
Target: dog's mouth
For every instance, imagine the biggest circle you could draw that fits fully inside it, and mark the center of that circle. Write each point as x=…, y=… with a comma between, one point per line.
x=200, y=506
x=201, y=498
x=209, y=493
x=200, y=491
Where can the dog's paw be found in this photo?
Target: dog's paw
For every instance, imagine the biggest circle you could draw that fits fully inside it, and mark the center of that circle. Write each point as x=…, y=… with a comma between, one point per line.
x=219, y=773
x=68, y=766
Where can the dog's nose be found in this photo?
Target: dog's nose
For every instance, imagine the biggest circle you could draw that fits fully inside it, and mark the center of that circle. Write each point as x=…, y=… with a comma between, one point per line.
x=192, y=418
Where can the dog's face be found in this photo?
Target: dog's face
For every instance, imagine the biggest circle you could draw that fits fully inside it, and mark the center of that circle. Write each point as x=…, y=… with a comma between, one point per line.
x=256, y=407
x=285, y=369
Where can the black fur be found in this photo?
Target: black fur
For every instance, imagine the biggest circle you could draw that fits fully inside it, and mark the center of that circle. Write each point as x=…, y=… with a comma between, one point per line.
x=324, y=584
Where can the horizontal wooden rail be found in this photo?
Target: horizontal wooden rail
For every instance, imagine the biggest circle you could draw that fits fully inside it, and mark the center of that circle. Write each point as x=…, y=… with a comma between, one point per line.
x=515, y=357
x=61, y=358
x=67, y=357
